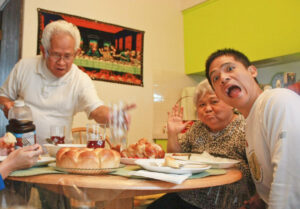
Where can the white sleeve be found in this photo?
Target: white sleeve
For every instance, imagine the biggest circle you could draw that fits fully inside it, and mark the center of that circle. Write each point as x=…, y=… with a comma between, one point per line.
x=283, y=119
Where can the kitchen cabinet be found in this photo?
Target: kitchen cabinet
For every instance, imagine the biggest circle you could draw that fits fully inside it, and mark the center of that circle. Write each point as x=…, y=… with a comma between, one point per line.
x=162, y=142
x=262, y=29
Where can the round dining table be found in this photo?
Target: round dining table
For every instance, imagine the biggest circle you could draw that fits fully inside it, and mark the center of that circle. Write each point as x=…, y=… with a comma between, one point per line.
x=113, y=191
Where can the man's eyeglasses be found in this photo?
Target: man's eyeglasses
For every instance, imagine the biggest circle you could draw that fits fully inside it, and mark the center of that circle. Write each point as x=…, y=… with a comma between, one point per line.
x=56, y=56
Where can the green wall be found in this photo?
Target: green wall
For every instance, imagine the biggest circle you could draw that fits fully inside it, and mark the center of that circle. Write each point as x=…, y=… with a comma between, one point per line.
x=261, y=29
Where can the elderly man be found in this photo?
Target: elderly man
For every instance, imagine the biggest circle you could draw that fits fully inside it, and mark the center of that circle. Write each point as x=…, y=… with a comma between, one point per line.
x=51, y=85
x=54, y=88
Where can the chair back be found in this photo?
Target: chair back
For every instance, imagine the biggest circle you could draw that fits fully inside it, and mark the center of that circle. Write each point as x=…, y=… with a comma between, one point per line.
x=79, y=135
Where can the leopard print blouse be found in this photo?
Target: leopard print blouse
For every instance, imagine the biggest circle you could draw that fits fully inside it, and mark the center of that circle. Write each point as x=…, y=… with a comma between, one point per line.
x=227, y=143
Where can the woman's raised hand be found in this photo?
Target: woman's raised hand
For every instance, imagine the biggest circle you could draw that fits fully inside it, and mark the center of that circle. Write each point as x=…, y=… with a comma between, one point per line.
x=175, y=121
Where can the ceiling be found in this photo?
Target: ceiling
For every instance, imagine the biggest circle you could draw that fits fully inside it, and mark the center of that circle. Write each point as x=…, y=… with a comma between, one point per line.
x=185, y=4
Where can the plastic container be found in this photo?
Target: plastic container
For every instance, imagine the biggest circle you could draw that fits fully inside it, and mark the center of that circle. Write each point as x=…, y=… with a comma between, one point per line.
x=21, y=124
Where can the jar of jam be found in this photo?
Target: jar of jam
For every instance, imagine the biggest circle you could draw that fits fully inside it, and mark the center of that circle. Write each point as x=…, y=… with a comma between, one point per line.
x=21, y=124
x=96, y=134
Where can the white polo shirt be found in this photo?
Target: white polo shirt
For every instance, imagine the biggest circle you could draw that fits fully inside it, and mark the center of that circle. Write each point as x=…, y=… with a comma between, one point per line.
x=52, y=100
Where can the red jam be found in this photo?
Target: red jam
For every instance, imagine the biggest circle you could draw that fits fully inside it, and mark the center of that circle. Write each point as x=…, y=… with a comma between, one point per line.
x=58, y=139
x=96, y=144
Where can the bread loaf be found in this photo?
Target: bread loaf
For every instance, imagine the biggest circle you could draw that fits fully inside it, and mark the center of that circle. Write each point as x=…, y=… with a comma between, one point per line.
x=85, y=158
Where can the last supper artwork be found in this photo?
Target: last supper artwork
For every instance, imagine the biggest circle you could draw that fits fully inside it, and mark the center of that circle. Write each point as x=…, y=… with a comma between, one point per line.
x=108, y=52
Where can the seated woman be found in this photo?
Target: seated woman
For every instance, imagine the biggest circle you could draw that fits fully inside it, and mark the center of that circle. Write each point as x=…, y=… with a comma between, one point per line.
x=220, y=132
x=21, y=158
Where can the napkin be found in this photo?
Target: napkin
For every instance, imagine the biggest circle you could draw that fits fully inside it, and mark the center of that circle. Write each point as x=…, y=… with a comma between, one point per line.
x=172, y=178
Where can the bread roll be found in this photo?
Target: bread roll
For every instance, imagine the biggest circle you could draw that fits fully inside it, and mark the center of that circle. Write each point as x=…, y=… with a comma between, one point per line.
x=10, y=138
x=143, y=149
x=8, y=141
x=171, y=162
x=85, y=158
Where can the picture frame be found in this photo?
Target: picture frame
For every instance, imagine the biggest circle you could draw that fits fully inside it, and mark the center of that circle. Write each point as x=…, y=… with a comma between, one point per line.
x=277, y=80
x=289, y=78
x=283, y=79
x=108, y=52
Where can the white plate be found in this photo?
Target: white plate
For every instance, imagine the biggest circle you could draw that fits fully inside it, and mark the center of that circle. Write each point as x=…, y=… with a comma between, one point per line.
x=42, y=161
x=215, y=162
x=71, y=145
x=131, y=161
x=128, y=161
x=89, y=171
x=149, y=164
x=179, y=156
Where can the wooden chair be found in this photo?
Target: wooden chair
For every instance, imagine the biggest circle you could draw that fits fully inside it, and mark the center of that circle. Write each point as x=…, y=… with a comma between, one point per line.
x=79, y=135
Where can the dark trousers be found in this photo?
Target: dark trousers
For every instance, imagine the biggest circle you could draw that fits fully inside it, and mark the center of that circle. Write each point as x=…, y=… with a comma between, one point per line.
x=171, y=201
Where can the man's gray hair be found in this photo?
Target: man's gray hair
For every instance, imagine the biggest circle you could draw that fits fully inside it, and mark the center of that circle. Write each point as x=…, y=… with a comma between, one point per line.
x=60, y=27
x=202, y=88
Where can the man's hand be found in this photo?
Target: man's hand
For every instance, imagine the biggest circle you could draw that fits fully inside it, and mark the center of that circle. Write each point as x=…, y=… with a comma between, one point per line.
x=6, y=104
x=127, y=116
x=103, y=114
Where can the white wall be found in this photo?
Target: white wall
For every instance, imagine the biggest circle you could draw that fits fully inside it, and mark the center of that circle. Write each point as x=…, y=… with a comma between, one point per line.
x=163, y=54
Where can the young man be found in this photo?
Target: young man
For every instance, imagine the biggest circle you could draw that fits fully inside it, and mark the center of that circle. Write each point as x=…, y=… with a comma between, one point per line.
x=272, y=130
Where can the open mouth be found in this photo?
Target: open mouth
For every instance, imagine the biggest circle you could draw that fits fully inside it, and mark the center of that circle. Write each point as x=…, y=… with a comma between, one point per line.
x=233, y=91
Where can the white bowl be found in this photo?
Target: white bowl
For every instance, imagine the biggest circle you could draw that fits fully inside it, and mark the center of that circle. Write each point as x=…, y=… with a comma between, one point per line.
x=53, y=149
x=71, y=145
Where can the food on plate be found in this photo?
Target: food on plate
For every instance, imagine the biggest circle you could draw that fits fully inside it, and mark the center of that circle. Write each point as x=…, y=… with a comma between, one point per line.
x=8, y=141
x=181, y=156
x=171, y=162
x=87, y=158
x=143, y=149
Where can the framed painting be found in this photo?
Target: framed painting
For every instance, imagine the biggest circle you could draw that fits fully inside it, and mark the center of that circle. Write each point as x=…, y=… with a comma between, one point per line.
x=283, y=79
x=108, y=52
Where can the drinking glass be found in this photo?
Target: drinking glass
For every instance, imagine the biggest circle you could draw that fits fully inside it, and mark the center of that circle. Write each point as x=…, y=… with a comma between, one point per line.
x=118, y=126
x=96, y=134
x=57, y=134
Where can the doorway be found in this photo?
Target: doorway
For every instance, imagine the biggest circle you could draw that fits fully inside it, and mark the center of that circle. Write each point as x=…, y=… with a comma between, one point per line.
x=11, y=25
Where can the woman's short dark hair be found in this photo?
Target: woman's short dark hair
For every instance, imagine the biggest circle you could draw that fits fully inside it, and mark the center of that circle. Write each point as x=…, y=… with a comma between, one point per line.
x=238, y=56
